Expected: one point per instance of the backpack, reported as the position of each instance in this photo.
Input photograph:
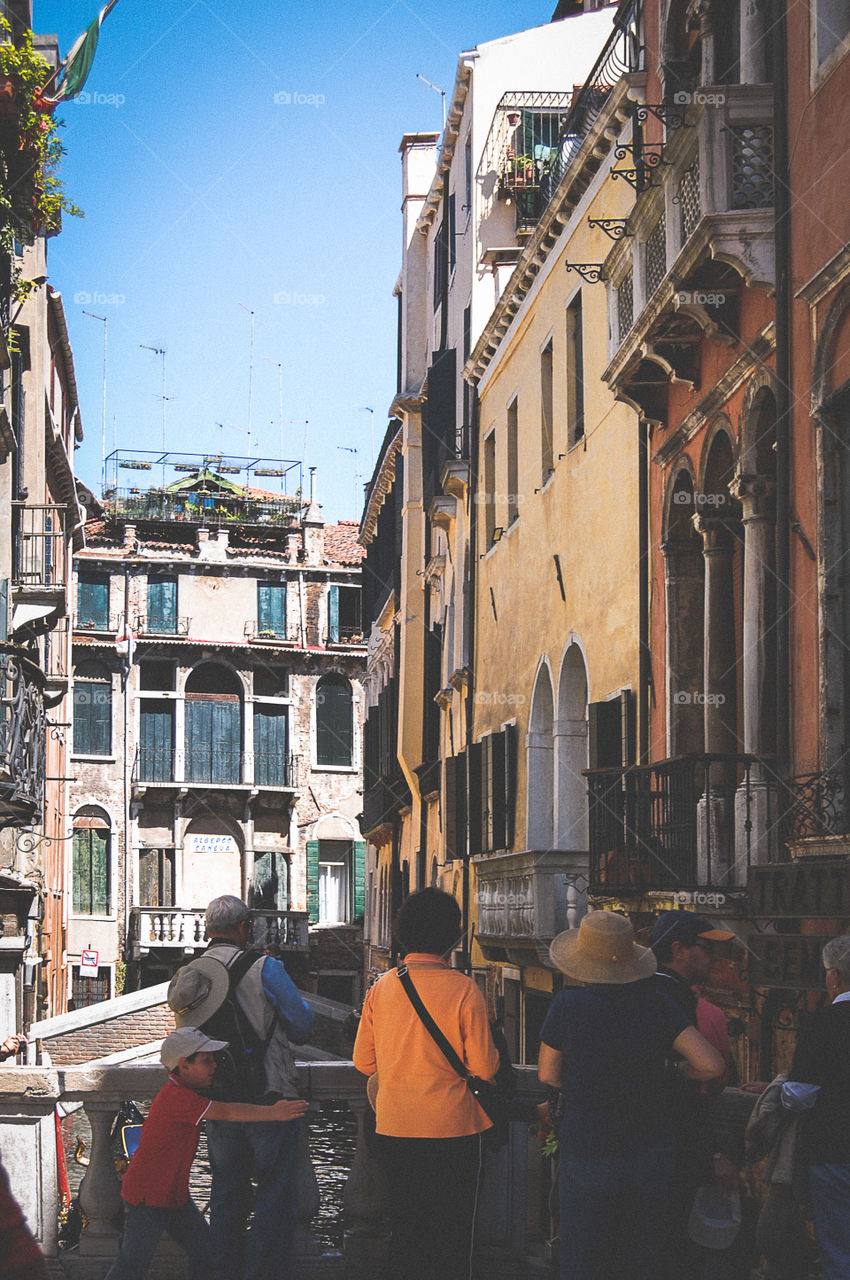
(241, 1072)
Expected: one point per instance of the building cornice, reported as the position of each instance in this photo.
(447, 149)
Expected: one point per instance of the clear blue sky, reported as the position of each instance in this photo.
(201, 192)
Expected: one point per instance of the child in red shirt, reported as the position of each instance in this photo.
(156, 1185)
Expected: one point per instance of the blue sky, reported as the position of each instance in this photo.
(204, 187)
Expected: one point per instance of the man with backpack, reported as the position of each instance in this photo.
(250, 1001)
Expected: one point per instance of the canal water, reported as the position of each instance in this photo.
(332, 1137)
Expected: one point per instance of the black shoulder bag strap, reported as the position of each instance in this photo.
(429, 1023)
(236, 971)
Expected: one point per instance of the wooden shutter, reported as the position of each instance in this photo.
(156, 734)
(454, 809)
(270, 746)
(198, 740)
(271, 607)
(333, 723)
(476, 798)
(497, 802)
(358, 880)
(226, 742)
(99, 872)
(263, 607)
(511, 755)
(81, 892)
(101, 719)
(333, 614)
(313, 880)
(91, 871)
(162, 605)
(604, 719)
(93, 601)
(82, 718)
(4, 610)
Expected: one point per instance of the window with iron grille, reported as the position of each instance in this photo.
(625, 306)
(87, 990)
(656, 256)
(752, 167)
(689, 202)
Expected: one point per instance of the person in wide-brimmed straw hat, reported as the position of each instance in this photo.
(605, 1046)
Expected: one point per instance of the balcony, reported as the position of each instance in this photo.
(525, 899)
(22, 744)
(522, 149)
(104, 624)
(39, 569)
(256, 634)
(146, 624)
(198, 507)
(679, 825)
(201, 766)
(182, 929)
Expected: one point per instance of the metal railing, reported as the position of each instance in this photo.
(208, 765)
(197, 507)
(22, 741)
(146, 624)
(676, 824)
(814, 806)
(106, 623)
(40, 554)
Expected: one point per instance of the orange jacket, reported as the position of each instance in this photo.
(419, 1094)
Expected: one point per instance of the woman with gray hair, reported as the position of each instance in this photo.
(819, 1083)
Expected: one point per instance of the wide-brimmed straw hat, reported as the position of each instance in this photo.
(602, 949)
(197, 990)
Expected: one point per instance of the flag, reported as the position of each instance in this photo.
(77, 65)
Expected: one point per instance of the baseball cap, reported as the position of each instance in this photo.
(715, 1217)
(185, 1041)
(683, 926)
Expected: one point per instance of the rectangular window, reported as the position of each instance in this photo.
(90, 892)
(547, 457)
(467, 175)
(575, 372)
(156, 877)
(334, 876)
(344, 614)
(271, 745)
(452, 234)
(513, 462)
(156, 741)
(92, 718)
(213, 739)
(271, 881)
(93, 602)
(162, 606)
(271, 609)
(88, 990)
(489, 489)
(439, 264)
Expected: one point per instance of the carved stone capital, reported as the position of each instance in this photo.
(755, 494)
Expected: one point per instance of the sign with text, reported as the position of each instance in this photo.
(88, 964)
(799, 889)
(786, 961)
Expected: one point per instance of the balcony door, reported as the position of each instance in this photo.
(213, 725)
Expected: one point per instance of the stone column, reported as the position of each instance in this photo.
(540, 826)
(100, 1192)
(363, 1203)
(754, 801)
(753, 56)
(684, 591)
(571, 788)
(719, 697)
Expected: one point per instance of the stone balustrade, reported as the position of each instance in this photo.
(514, 1224)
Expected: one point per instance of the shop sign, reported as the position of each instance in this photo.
(786, 960)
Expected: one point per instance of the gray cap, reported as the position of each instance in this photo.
(185, 1041)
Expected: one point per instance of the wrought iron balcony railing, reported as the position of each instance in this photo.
(106, 624)
(40, 552)
(211, 765)
(814, 806)
(21, 736)
(680, 824)
(148, 624)
(200, 508)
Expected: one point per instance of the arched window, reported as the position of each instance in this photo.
(92, 710)
(334, 733)
(213, 725)
(91, 889)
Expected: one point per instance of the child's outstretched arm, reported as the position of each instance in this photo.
(286, 1109)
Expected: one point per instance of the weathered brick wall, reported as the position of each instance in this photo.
(109, 1037)
(313, 592)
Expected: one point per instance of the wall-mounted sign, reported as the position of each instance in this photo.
(786, 961)
(799, 889)
(88, 964)
(197, 843)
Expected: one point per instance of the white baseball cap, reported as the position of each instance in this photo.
(185, 1041)
(715, 1217)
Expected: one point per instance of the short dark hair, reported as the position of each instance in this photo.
(428, 921)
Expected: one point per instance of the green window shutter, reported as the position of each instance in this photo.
(333, 723)
(81, 894)
(271, 748)
(333, 615)
(4, 610)
(226, 742)
(156, 735)
(198, 740)
(313, 880)
(263, 607)
(93, 601)
(271, 608)
(101, 719)
(99, 872)
(82, 719)
(162, 605)
(358, 904)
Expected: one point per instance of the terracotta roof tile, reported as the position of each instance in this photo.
(341, 545)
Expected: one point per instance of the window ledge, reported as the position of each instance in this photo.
(92, 759)
(334, 768)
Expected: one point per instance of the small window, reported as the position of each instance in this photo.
(575, 372)
(156, 877)
(513, 462)
(92, 710)
(489, 489)
(91, 862)
(92, 602)
(547, 456)
(344, 623)
(162, 606)
(334, 732)
(271, 609)
(86, 989)
(334, 875)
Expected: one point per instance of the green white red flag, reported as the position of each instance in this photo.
(75, 69)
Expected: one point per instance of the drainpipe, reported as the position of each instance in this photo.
(644, 668)
(469, 632)
(782, 227)
(127, 768)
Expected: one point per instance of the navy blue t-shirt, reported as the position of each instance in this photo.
(615, 1040)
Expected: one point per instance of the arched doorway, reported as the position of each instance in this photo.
(571, 744)
(540, 760)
